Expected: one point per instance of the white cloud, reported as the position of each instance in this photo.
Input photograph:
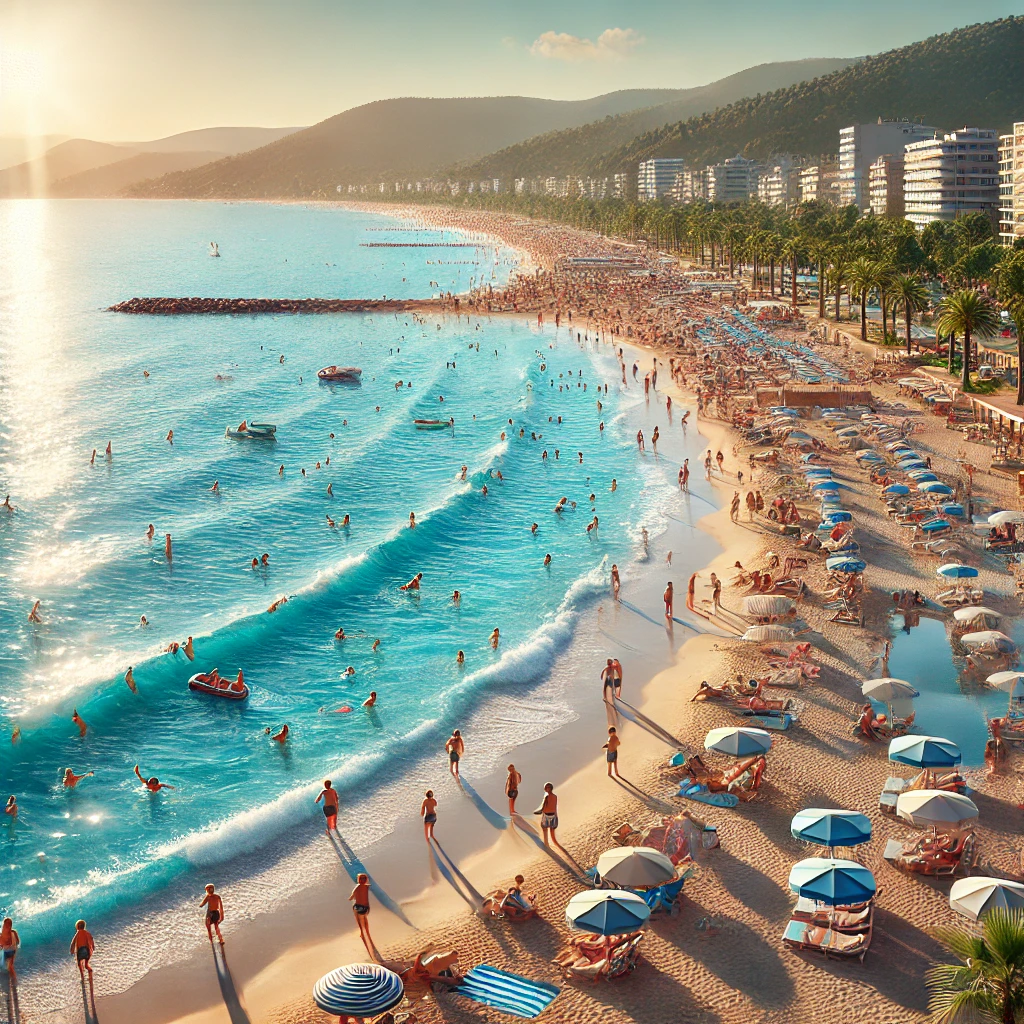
(612, 44)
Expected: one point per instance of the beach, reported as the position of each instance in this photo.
(720, 958)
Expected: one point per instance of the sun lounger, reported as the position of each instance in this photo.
(923, 858)
(624, 833)
(691, 790)
(511, 993)
(831, 942)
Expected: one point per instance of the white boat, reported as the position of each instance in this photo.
(214, 251)
(352, 374)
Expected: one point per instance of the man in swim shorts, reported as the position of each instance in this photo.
(329, 795)
(360, 899)
(214, 913)
(83, 946)
(456, 747)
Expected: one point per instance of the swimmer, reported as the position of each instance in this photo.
(150, 532)
(457, 598)
(376, 645)
(280, 471)
(340, 635)
(153, 784)
(460, 658)
(7, 504)
(34, 616)
(615, 484)
(371, 700)
(77, 719)
(495, 636)
(277, 604)
(592, 525)
(71, 779)
(129, 678)
(280, 736)
(330, 490)
(462, 476)
(168, 554)
(350, 671)
(170, 437)
(547, 562)
(143, 621)
(172, 648)
(109, 452)
(331, 523)
(412, 520)
(189, 650)
(347, 520)
(265, 560)
(533, 529)
(216, 487)
(255, 563)
(92, 461)
(483, 490)
(15, 734)
(11, 810)
(414, 583)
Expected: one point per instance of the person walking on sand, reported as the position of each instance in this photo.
(548, 812)
(690, 588)
(734, 507)
(612, 755)
(707, 465)
(214, 913)
(609, 681)
(640, 440)
(668, 597)
(329, 796)
(360, 900)
(456, 747)
(428, 812)
(82, 948)
(716, 594)
(9, 943)
(720, 459)
(751, 505)
(512, 782)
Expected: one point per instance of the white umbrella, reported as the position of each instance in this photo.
(635, 866)
(1002, 518)
(988, 637)
(764, 634)
(738, 741)
(888, 689)
(936, 808)
(763, 605)
(1005, 680)
(974, 897)
(977, 612)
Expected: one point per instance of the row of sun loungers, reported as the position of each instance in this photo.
(839, 932)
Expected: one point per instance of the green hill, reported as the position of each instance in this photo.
(579, 150)
(973, 76)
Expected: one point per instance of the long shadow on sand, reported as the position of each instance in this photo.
(455, 878)
(637, 717)
(236, 1013)
(354, 867)
(11, 999)
(490, 815)
(751, 887)
(653, 802)
(559, 854)
(89, 999)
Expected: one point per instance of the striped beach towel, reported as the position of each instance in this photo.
(512, 993)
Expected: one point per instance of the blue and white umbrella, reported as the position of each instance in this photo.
(935, 487)
(922, 476)
(843, 563)
(738, 741)
(956, 571)
(359, 990)
(924, 751)
(839, 515)
(825, 485)
(833, 882)
(868, 456)
(606, 912)
(831, 827)
(896, 489)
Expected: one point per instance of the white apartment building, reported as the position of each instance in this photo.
(951, 175)
(885, 185)
(1011, 185)
(656, 177)
(732, 181)
(818, 182)
(779, 183)
(861, 144)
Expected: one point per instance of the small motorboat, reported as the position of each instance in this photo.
(262, 429)
(433, 424)
(346, 374)
(217, 686)
(254, 431)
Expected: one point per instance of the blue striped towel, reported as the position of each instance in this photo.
(512, 993)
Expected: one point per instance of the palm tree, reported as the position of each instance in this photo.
(792, 250)
(839, 272)
(865, 275)
(988, 983)
(969, 313)
(820, 254)
(1010, 281)
(910, 293)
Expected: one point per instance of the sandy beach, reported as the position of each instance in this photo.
(721, 958)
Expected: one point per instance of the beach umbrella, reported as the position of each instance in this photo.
(896, 489)
(974, 897)
(838, 515)
(989, 637)
(935, 487)
(924, 751)
(935, 524)
(886, 689)
(898, 446)
(936, 808)
(844, 563)
(1005, 680)
(833, 882)
(763, 605)
(358, 990)
(975, 612)
(635, 866)
(920, 476)
(799, 435)
(831, 827)
(868, 456)
(766, 634)
(825, 485)
(1002, 518)
(957, 571)
(738, 741)
(606, 912)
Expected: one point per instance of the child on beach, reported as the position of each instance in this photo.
(82, 947)
(360, 899)
(214, 913)
(612, 755)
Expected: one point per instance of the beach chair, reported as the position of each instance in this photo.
(801, 935)
(927, 857)
(852, 920)
(665, 898)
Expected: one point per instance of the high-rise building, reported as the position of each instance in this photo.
(951, 175)
(818, 182)
(861, 144)
(1011, 185)
(885, 185)
(656, 177)
(779, 183)
(732, 181)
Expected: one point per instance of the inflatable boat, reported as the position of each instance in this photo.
(350, 374)
(432, 424)
(255, 431)
(217, 686)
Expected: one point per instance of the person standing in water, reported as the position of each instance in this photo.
(428, 812)
(616, 583)
(167, 546)
(71, 779)
(153, 784)
(455, 747)
(668, 598)
(214, 912)
(82, 948)
(329, 796)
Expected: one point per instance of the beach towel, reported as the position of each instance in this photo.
(690, 790)
(511, 993)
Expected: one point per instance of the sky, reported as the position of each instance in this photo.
(126, 70)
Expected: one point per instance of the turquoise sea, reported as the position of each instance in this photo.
(72, 378)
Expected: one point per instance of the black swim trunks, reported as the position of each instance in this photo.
(512, 794)
(360, 908)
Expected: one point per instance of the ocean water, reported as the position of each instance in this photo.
(72, 379)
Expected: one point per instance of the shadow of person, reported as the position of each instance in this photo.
(499, 821)
(89, 999)
(236, 1012)
(354, 867)
(653, 802)
(456, 879)
(637, 717)
(566, 862)
(11, 994)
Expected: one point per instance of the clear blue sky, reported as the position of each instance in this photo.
(135, 69)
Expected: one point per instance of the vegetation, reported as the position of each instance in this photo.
(988, 983)
(972, 76)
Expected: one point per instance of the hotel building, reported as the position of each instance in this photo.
(1011, 185)
(861, 144)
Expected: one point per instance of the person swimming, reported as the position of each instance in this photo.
(129, 678)
(280, 736)
(153, 784)
(71, 779)
(414, 583)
